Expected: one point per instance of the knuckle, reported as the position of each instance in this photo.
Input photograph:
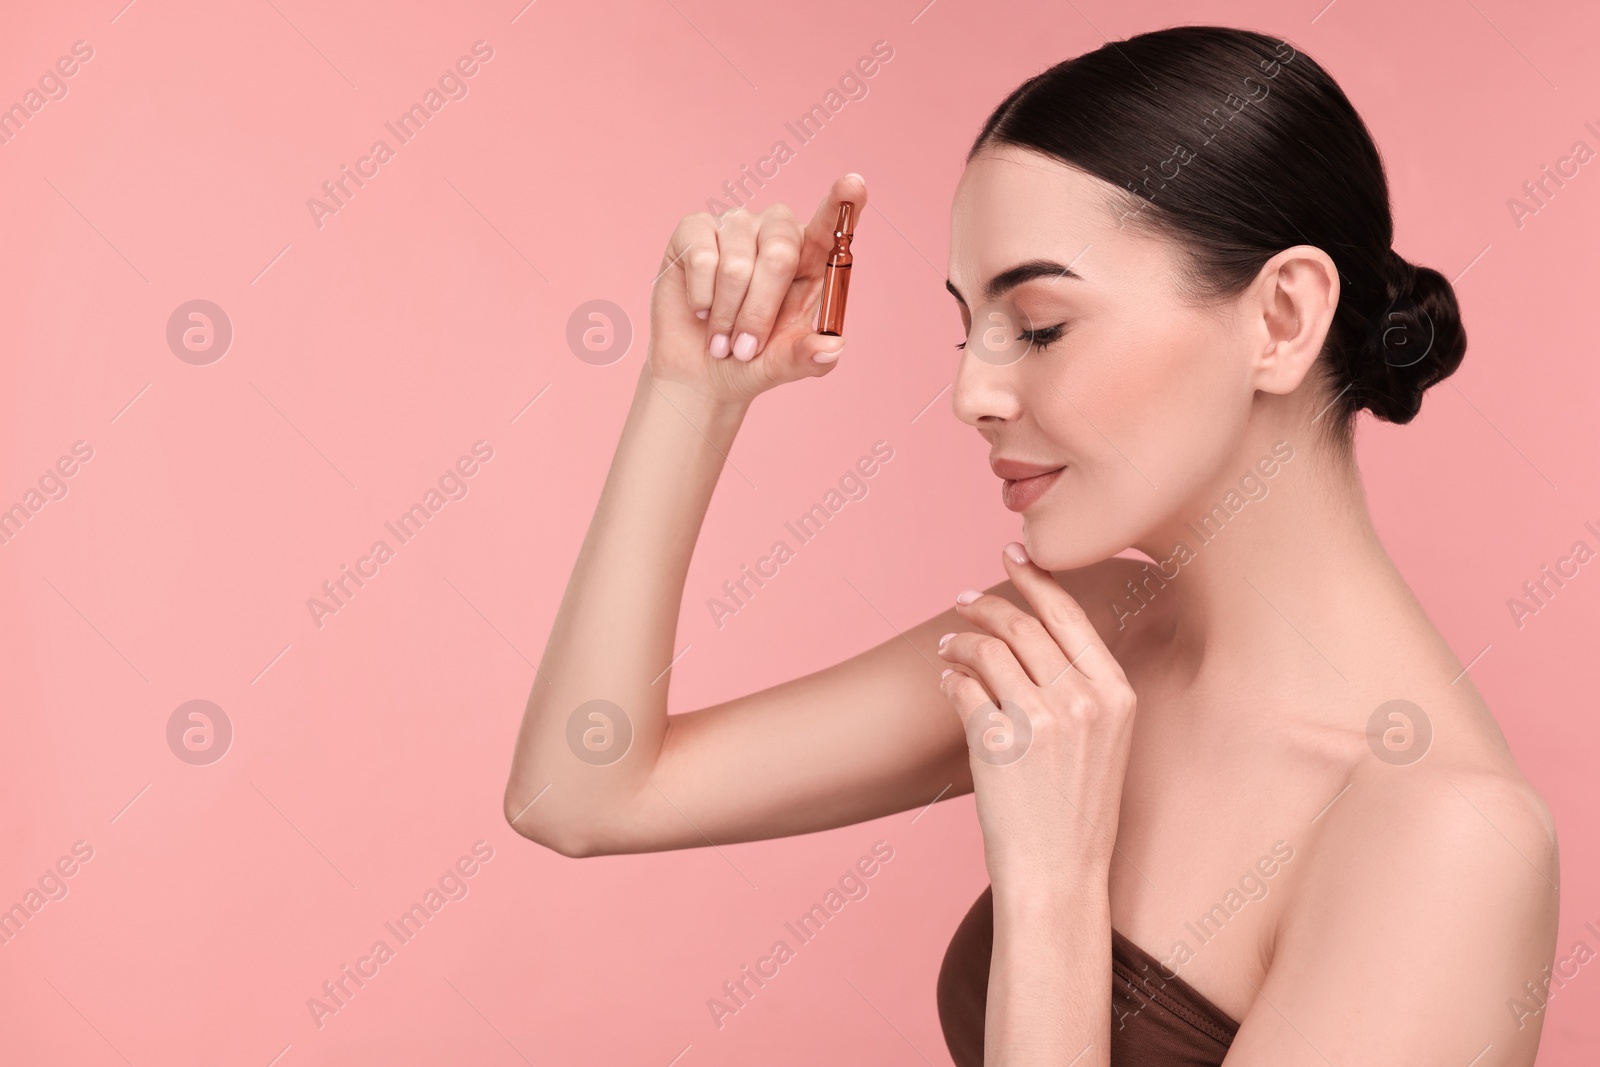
(989, 650)
(1067, 615)
(783, 251)
(701, 258)
(1020, 624)
(956, 686)
(737, 266)
(1074, 707)
(1043, 720)
(781, 263)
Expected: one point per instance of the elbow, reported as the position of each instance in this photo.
(565, 843)
(555, 834)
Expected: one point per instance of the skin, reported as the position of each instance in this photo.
(1171, 747)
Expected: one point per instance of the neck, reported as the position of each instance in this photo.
(1275, 562)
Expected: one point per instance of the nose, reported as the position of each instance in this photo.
(986, 393)
(988, 381)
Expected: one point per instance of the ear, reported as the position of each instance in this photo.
(1291, 303)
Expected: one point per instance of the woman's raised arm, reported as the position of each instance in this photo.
(599, 767)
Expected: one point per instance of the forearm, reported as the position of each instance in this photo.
(613, 633)
(1048, 775)
(1050, 978)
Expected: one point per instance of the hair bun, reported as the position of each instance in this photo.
(1417, 340)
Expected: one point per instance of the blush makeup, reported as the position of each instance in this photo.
(836, 276)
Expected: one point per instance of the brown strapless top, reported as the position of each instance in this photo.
(1156, 1021)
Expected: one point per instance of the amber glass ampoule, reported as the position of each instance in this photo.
(836, 276)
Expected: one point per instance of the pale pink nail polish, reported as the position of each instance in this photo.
(702, 313)
(719, 346)
(947, 672)
(827, 357)
(967, 596)
(945, 638)
(744, 346)
(1016, 553)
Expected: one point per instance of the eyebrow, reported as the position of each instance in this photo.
(1007, 280)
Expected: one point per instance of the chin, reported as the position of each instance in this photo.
(1057, 544)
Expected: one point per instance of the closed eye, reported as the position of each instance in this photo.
(1041, 338)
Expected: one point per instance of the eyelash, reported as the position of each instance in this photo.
(1042, 338)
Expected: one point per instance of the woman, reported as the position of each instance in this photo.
(1240, 803)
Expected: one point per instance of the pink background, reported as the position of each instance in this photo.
(368, 354)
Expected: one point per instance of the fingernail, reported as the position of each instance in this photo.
(945, 638)
(702, 313)
(827, 357)
(967, 596)
(744, 346)
(1016, 553)
(719, 346)
(947, 672)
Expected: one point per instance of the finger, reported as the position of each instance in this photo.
(988, 659)
(736, 261)
(998, 732)
(1026, 636)
(693, 249)
(777, 254)
(1062, 616)
(965, 693)
(813, 355)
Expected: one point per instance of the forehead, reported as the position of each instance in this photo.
(1013, 205)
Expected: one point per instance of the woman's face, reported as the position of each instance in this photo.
(1139, 398)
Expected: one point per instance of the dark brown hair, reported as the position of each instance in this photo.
(1239, 146)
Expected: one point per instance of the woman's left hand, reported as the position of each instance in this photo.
(1049, 717)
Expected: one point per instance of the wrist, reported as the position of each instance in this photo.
(1059, 916)
(699, 408)
(1041, 895)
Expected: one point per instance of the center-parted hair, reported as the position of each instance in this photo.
(1236, 145)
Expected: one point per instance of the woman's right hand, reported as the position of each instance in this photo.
(757, 274)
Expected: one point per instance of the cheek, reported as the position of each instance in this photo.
(1176, 394)
(1141, 392)
(1153, 412)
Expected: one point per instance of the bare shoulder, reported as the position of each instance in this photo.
(1458, 804)
(1433, 820)
(1433, 886)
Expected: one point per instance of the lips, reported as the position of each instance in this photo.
(1023, 482)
